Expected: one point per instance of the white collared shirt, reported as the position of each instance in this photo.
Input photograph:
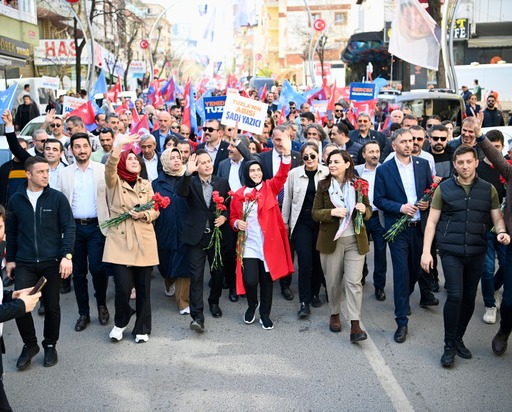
(369, 175)
(54, 174)
(407, 176)
(213, 152)
(84, 193)
(276, 161)
(151, 167)
(234, 177)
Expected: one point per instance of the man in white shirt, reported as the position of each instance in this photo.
(149, 156)
(83, 184)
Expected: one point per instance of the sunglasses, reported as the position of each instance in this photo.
(419, 139)
(307, 157)
(209, 129)
(429, 125)
(105, 130)
(338, 111)
(229, 129)
(436, 138)
(41, 140)
(56, 125)
(491, 101)
(175, 127)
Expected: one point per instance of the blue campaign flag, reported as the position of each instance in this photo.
(193, 105)
(6, 99)
(214, 107)
(200, 104)
(288, 94)
(100, 87)
(360, 92)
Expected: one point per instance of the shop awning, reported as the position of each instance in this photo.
(11, 61)
(366, 47)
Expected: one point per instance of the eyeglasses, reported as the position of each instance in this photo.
(209, 129)
(437, 138)
(307, 157)
(429, 125)
(105, 130)
(56, 125)
(418, 139)
(175, 127)
(41, 140)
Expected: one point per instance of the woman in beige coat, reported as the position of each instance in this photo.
(131, 247)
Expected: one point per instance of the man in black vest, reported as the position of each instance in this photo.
(462, 210)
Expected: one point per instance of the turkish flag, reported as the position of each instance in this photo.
(185, 118)
(123, 108)
(114, 91)
(85, 112)
(141, 127)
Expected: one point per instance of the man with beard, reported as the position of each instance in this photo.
(25, 113)
(441, 152)
(101, 121)
(106, 137)
(492, 116)
(371, 155)
(83, 184)
(213, 143)
(186, 150)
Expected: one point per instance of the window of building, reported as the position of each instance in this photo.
(340, 18)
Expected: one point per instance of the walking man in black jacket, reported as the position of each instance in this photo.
(40, 239)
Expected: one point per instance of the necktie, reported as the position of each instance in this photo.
(280, 195)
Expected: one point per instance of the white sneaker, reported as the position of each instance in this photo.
(490, 315)
(116, 333)
(141, 338)
(497, 299)
(185, 311)
(170, 292)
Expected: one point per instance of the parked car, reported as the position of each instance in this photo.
(32, 126)
(446, 104)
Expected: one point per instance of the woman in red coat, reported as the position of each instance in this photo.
(266, 253)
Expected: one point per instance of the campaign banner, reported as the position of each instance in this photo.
(360, 92)
(214, 107)
(72, 103)
(250, 114)
(50, 82)
(320, 106)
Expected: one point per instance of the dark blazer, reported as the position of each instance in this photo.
(225, 165)
(195, 223)
(389, 195)
(143, 171)
(266, 163)
(221, 154)
(156, 134)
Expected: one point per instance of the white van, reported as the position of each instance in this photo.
(39, 93)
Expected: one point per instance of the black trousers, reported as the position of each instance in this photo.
(198, 255)
(26, 275)
(254, 273)
(126, 278)
(462, 274)
(311, 276)
(229, 256)
(4, 402)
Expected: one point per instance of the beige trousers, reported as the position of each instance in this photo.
(182, 293)
(347, 261)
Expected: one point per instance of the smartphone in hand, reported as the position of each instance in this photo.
(39, 285)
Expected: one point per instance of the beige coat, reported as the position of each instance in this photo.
(295, 192)
(133, 242)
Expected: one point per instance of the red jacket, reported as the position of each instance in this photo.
(276, 247)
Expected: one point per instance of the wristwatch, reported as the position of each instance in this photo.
(69, 256)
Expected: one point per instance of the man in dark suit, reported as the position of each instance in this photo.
(231, 169)
(270, 162)
(198, 231)
(164, 121)
(399, 186)
(364, 134)
(213, 143)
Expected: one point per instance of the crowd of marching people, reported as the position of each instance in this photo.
(119, 201)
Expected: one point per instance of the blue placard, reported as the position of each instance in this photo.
(214, 107)
(359, 92)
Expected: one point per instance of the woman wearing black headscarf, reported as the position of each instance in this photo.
(266, 252)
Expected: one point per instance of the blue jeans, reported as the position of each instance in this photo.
(493, 248)
(375, 229)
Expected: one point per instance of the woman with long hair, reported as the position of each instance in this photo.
(472, 108)
(342, 251)
(172, 253)
(130, 246)
(298, 201)
(265, 255)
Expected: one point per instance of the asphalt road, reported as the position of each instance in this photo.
(298, 366)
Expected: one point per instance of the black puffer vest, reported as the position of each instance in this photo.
(465, 219)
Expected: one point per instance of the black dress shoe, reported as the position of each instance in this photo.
(380, 295)
(197, 325)
(233, 297)
(358, 337)
(500, 342)
(287, 293)
(27, 353)
(103, 315)
(82, 323)
(461, 350)
(448, 356)
(429, 301)
(435, 285)
(316, 302)
(215, 310)
(400, 334)
(40, 311)
(50, 356)
(7, 281)
(65, 286)
(304, 311)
